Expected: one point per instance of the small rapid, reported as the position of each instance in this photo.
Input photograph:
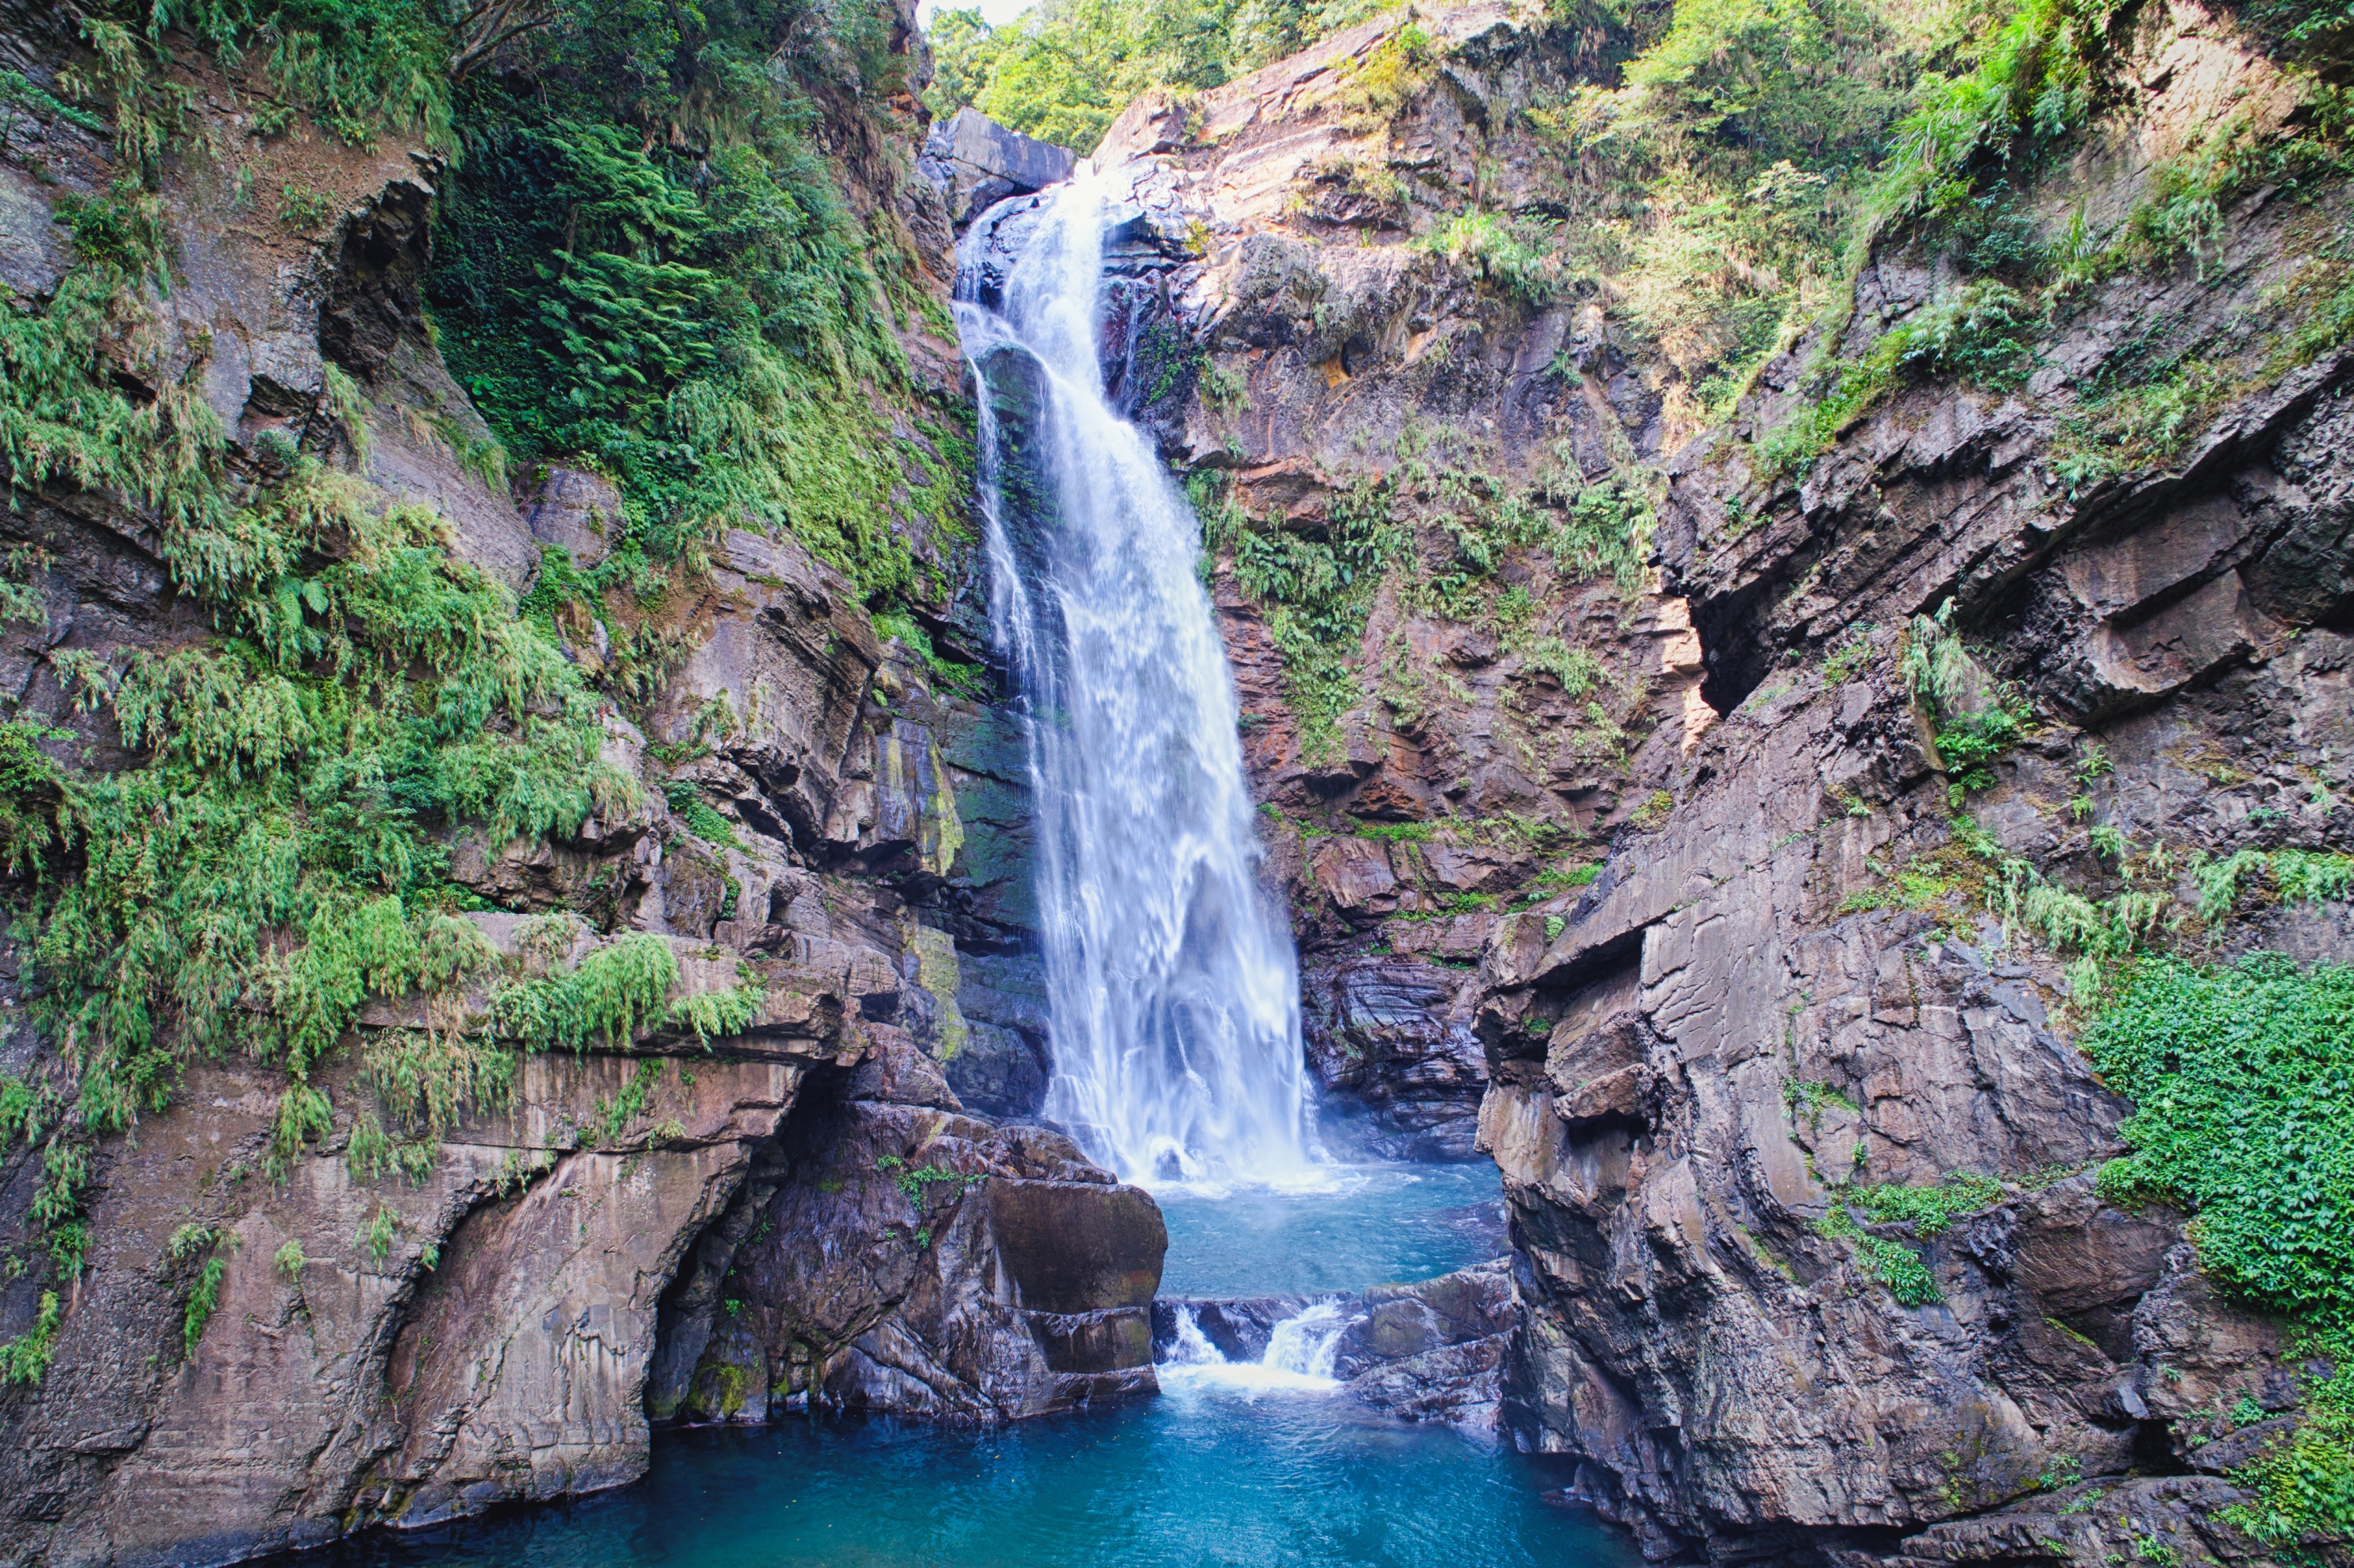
(1173, 995)
(1297, 1359)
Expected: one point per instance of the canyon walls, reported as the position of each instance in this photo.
(512, 953)
(655, 879)
(1757, 892)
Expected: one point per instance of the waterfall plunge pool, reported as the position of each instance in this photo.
(1174, 991)
(1229, 1466)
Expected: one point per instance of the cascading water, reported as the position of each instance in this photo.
(1173, 994)
(1300, 1356)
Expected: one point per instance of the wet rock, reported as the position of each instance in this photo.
(1431, 1351)
(576, 511)
(1378, 1032)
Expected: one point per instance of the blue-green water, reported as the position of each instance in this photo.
(1211, 1473)
(1374, 1225)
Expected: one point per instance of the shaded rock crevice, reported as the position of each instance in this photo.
(890, 1253)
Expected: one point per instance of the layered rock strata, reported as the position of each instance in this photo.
(408, 1308)
(1781, 975)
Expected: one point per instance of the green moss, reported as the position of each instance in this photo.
(1394, 833)
(967, 681)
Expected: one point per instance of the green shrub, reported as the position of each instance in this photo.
(2045, 75)
(2242, 1082)
(1498, 250)
(1928, 1209)
(706, 325)
(1893, 1264)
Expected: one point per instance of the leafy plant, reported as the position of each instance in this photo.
(191, 1241)
(302, 207)
(698, 313)
(1978, 332)
(1928, 1209)
(24, 1359)
(1893, 1264)
(2242, 1082)
(1973, 728)
(686, 802)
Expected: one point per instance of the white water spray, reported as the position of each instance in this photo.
(1173, 994)
(1299, 1359)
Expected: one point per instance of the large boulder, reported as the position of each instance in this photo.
(998, 1275)
(975, 163)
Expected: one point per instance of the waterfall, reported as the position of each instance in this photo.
(1172, 990)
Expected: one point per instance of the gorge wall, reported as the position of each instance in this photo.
(1746, 903)
(1721, 800)
(682, 910)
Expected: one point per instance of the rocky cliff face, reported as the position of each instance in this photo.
(1749, 938)
(1456, 723)
(695, 1051)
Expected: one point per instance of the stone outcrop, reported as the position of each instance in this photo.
(974, 163)
(1735, 956)
(891, 1254)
